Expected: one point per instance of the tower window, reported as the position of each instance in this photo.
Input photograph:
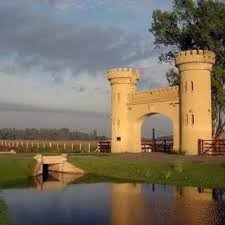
(186, 86)
(118, 97)
(192, 86)
(186, 120)
(118, 138)
(193, 119)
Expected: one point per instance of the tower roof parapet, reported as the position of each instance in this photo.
(117, 73)
(195, 56)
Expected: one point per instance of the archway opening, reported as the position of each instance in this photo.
(45, 172)
(158, 130)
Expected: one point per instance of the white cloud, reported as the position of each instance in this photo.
(60, 4)
(56, 68)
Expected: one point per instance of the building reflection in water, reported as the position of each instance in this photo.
(145, 205)
(55, 180)
(126, 204)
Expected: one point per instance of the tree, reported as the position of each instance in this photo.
(189, 25)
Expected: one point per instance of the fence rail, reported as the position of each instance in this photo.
(146, 146)
(104, 146)
(211, 147)
(32, 145)
(157, 146)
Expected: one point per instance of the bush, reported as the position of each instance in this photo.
(178, 166)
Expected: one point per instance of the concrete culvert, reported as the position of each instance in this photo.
(58, 163)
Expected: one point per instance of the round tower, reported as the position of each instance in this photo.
(123, 82)
(195, 96)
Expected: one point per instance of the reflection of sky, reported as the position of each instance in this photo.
(78, 204)
(88, 204)
(54, 54)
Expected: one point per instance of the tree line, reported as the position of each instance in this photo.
(47, 134)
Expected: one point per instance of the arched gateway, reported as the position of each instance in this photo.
(188, 105)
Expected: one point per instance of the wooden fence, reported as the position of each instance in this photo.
(146, 146)
(157, 146)
(211, 147)
(32, 145)
(104, 146)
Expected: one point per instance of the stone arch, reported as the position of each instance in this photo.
(151, 120)
(194, 66)
(140, 112)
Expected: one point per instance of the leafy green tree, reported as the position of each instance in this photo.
(195, 24)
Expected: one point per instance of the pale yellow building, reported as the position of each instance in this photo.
(187, 106)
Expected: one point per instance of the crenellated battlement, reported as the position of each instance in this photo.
(195, 56)
(160, 94)
(123, 73)
(123, 69)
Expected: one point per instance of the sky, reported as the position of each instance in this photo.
(54, 55)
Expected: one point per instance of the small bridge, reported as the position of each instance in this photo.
(58, 163)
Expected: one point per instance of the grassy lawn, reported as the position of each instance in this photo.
(4, 220)
(178, 172)
(15, 170)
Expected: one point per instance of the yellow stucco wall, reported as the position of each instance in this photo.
(195, 95)
(187, 106)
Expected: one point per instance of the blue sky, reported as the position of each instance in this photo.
(54, 54)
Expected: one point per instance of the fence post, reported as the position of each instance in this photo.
(50, 145)
(109, 147)
(165, 146)
(219, 146)
(154, 145)
(99, 147)
(57, 145)
(80, 147)
(89, 147)
(199, 146)
(17, 144)
(72, 146)
(64, 146)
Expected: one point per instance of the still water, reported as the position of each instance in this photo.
(55, 201)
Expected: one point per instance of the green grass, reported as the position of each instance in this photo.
(178, 173)
(4, 219)
(15, 170)
(51, 150)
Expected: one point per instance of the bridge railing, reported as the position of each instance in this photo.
(211, 147)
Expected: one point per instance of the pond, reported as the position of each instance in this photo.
(55, 200)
